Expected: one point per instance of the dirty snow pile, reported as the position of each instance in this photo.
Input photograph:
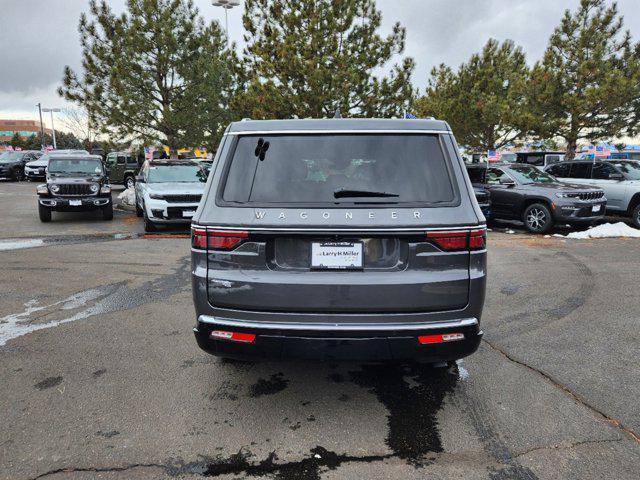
(606, 230)
(128, 197)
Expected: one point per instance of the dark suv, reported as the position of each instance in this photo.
(527, 194)
(123, 168)
(12, 163)
(339, 239)
(75, 183)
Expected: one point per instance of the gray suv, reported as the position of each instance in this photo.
(339, 239)
(620, 180)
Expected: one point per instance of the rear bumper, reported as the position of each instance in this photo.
(375, 342)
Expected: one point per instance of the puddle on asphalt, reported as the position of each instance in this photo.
(95, 301)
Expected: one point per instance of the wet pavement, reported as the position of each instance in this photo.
(101, 376)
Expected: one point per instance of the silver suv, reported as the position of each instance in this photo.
(620, 180)
(339, 239)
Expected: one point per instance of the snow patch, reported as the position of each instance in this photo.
(19, 244)
(606, 230)
(463, 374)
(128, 197)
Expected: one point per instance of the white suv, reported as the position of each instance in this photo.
(620, 180)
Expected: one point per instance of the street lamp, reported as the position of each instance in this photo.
(227, 5)
(53, 128)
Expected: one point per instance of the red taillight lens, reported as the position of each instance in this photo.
(478, 239)
(457, 240)
(233, 336)
(440, 338)
(216, 239)
(453, 240)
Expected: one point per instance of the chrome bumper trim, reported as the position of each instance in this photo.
(342, 327)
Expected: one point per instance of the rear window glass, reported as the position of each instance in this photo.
(337, 169)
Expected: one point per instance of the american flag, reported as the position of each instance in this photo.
(493, 156)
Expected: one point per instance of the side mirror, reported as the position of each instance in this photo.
(139, 179)
(507, 182)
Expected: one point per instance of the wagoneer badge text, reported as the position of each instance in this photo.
(261, 214)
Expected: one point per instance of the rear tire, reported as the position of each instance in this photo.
(44, 213)
(107, 212)
(635, 216)
(129, 182)
(537, 218)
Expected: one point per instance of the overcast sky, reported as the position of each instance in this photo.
(39, 37)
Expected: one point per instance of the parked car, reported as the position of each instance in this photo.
(168, 192)
(524, 193)
(335, 239)
(12, 163)
(36, 169)
(483, 198)
(540, 159)
(75, 183)
(620, 180)
(630, 155)
(123, 168)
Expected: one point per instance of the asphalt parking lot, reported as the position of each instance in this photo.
(101, 376)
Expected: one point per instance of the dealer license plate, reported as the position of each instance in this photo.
(336, 255)
(75, 203)
(188, 213)
(596, 208)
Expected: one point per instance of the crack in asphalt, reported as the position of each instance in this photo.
(576, 397)
(565, 447)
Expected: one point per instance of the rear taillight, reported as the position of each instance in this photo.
(459, 240)
(205, 238)
(440, 338)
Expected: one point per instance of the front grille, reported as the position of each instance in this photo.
(73, 189)
(182, 198)
(590, 195)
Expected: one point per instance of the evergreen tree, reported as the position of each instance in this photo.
(483, 101)
(156, 73)
(588, 82)
(310, 59)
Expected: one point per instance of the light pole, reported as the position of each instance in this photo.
(41, 127)
(53, 128)
(227, 5)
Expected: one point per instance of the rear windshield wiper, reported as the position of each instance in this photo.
(345, 193)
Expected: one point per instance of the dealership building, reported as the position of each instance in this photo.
(25, 128)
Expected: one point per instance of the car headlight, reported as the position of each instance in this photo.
(42, 189)
(105, 189)
(54, 188)
(94, 188)
(156, 196)
(565, 195)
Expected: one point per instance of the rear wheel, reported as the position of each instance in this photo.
(44, 213)
(635, 216)
(129, 181)
(107, 212)
(537, 218)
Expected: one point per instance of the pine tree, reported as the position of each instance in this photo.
(311, 59)
(156, 73)
(588, 82)
(483, 101)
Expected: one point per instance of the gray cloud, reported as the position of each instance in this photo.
(38, 38)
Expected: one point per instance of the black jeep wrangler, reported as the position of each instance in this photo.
(75, 183)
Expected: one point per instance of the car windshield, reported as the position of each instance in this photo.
(75, 165)
(631, 170)
(7, 157)
(176, 173)
(336, 169)
(526, 175)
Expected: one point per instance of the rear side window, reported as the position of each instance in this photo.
(580, 170)
(337, 169)
(602, 171)
(560, 170)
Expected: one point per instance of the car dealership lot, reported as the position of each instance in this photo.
(101, 376)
